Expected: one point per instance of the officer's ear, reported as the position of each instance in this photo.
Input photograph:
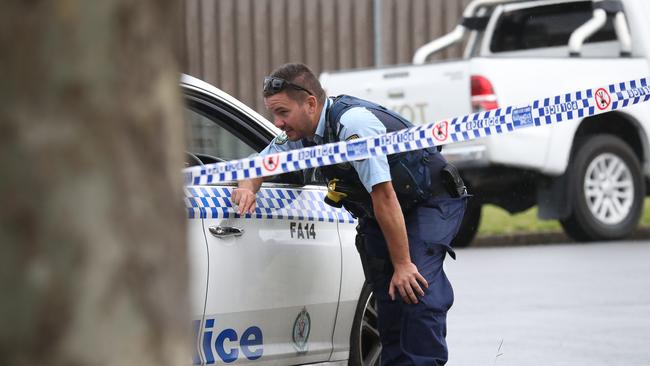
(312, 104)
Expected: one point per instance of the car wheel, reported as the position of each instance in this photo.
(606, 190)
(365, 346)
(469, 225)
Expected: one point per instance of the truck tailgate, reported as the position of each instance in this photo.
(422, 94)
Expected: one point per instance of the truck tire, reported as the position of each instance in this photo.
(606, 190)
(365, 346)
(469, 225)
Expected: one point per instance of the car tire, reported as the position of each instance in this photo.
(469, 225)
(606, 189)
(365, 346)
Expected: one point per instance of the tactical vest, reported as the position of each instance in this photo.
(415, 174)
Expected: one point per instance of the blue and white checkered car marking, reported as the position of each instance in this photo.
(272, 203)
(545, 111)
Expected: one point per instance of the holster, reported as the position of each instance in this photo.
(452, 181)
(371, 265)
(360, 243)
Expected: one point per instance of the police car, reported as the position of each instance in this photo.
(284, 286)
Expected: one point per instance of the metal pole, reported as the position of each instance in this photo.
(378, 30)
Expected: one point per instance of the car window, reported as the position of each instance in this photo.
(215, 134)
(545, 26)
(209, 137)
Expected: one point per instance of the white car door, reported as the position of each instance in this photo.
(273, 277)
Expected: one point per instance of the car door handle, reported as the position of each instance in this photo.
(398, 74)
(225, 231)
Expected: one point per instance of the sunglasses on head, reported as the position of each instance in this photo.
(273, 85)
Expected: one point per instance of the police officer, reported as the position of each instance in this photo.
(409, 207)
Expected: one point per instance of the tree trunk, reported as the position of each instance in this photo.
(93, 267)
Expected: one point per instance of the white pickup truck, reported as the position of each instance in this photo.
(589, 174)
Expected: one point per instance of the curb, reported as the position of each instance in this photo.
(541, 238)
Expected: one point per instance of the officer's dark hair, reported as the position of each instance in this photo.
(302, 76)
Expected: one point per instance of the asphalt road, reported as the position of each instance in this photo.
(566, 304)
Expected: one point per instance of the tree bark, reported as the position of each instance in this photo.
(93, 267)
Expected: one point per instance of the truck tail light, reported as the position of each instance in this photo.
(483, 97)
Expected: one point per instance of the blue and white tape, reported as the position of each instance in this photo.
(541, 112)
(210, 202)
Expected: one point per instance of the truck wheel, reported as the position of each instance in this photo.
(469, 225)
(365, 346)
(606, 189)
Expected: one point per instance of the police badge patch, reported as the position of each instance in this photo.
(281, 138)
(301, 328)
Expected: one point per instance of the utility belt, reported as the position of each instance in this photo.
(412, 186)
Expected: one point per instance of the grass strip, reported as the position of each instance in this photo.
(497, 221)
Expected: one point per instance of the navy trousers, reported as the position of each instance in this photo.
(414, 334)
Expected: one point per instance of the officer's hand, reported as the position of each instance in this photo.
(244, 198)
(405, 281)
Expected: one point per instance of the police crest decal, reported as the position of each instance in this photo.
(301, 328)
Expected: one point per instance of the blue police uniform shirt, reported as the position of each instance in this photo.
(356, 122)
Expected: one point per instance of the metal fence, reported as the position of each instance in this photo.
(233, 44)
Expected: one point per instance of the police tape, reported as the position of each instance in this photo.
(542, 112)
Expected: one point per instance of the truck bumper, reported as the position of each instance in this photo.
(466, 155)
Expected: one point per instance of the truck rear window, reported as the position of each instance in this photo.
(545, 26)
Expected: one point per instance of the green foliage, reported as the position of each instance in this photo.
(645, 217)
(496, 221)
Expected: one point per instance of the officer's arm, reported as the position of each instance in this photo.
(389, 216)
(244, 195)
(391, 221)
